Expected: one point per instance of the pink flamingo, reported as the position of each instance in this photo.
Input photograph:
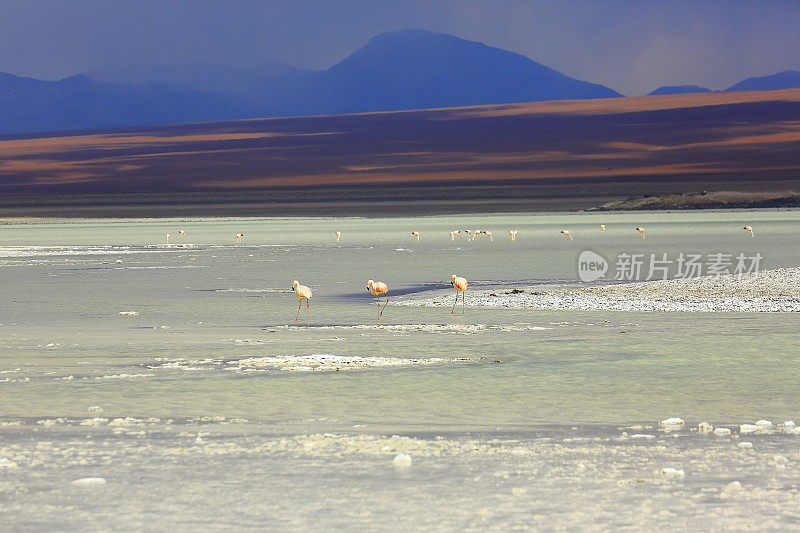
(378, 289)
(303, 293)
(460, 285)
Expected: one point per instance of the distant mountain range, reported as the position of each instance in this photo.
(789, 79)
(679, 89)
(410, 69)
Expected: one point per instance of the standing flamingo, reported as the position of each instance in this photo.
(338, 236)
(567, 235)
(479, 232)
(239, 237)
(641, 232)
(167, 236)
(182, 233)
(415, 234)
(455, 234)
(512, 235)
(460, 285)
(749, 230)
(303, 293)
(602, 227)
(378, 289)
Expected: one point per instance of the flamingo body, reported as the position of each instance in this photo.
(460, 285)
(378, 289)
(302, 293)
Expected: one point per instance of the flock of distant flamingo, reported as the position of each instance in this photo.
(460, 284)
(470, 234)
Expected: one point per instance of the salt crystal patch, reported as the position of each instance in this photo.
(128, 313)
(670, 472)
(705, 427)
(672, 423)
(730, 489)
(789, 424)
(747, 429)
(745, 445)
(402, 460)
(722, 432)
(764, 423)
(7, 463)
(89, 482)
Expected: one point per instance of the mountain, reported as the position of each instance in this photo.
(273, 87)
(80, 103)
(414, 69)
(679, 89)
(788, 79)
(409, 69)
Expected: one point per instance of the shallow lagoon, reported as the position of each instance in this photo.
(213, 329)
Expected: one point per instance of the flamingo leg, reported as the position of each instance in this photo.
(308, 308)
(299, 305)
(384, 307)
(463, 303)
(453, 310)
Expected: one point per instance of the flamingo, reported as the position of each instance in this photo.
(338, 236)
(469, 234)
(748, 230)
(378, 289)
(641, 232)
(182, 233)
(483, 232)
(239, 237)
(415, 234)
(602, 227)
(303, 293)
(460, 285)
(455, 234)
(512, 235)
(167, 236)
(567, 235)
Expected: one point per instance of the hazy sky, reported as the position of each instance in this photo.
(632, 46)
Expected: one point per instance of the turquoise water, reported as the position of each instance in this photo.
(204, 304)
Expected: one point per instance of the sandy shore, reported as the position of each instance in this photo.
(767, 291)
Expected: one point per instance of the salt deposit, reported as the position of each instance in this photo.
(308, 363)
(672, 423)
(670, 472)
(775, 290)
(705, 427)
(402, 460)
(89, 482)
